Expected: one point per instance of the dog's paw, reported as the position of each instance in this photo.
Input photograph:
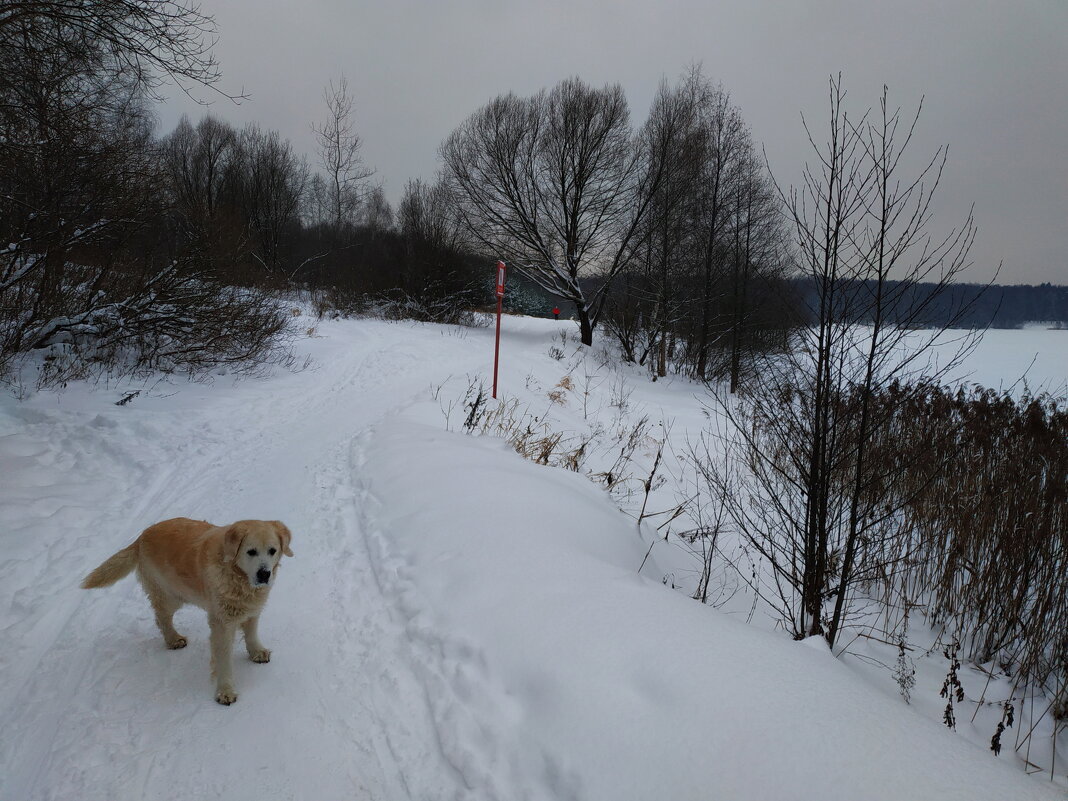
(176, 643)
(262, 655)
(226, 696)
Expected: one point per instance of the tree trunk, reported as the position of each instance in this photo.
(736, 313)
(585, 324)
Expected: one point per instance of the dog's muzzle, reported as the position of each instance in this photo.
(263, 576)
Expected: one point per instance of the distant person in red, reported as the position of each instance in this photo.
(556, 312)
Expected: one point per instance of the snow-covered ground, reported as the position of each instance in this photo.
(457, 623)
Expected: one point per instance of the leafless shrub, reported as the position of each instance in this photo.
(475, 403)
(621, 393)
(169, 321)
(427, 308)
(629, 440)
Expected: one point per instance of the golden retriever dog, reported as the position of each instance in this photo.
(225, 570)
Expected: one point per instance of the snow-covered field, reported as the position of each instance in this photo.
(457, 623)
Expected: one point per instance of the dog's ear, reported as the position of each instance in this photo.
(284, 535)
(232, 542)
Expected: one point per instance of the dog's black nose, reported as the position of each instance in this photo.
(263, 576)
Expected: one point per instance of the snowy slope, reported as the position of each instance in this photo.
(457, 622)
(624, 689)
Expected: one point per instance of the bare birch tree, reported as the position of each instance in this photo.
(696, 291)
(339, 148)
(725, 141)
(672, 140)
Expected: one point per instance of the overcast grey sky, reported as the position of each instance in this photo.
(995, 77)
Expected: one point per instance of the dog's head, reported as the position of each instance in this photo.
(255, 547)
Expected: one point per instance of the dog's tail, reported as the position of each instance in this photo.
(116, 567)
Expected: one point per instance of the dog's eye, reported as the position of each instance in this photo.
(271, 552)
(251, 551)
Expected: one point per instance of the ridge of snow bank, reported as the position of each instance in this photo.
(521, 584)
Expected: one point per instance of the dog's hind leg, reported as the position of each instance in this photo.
(164, 605)
(256, 651)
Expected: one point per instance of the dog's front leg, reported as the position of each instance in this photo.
(256, 651)
(222, 644)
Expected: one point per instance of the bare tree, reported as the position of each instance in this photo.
(143, 40)
(427, 214)
(200, 165)
(76, 174)
(556, 186)
(726, 140)
(92, 277)
(439, 281)
(758, 253)
(801, 484)
(339, 153)
(698, 283)
(377, 212)
(273, 184)
(672, 140)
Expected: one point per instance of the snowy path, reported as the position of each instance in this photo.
(98, 703)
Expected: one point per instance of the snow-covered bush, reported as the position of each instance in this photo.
(168, 320)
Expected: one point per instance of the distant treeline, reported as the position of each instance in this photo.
(964, 305)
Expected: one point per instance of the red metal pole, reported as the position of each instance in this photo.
(497, 343)
(497, 347)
